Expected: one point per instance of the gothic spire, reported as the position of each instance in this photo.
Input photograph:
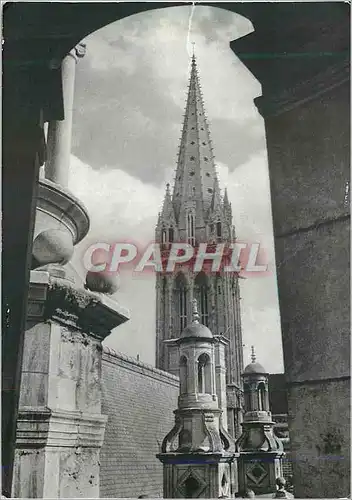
(216, 197)
(226, 198)
(167, 212)
(227, 207)
(195, 172)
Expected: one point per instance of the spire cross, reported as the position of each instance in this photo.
(195, 311)
(253, 354)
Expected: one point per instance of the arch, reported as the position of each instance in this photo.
(181, 299)
(183, 374)
(247, 397)
(201, 291)
(218, 229)
(171, 234)
(163, 235)
(261, 397)
(204, 374)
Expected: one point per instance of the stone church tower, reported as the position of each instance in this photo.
(195, 212)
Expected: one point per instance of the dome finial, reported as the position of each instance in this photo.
(253, 354)
(195, 311)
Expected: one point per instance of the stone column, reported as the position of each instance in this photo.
(60, 131)
(60, 425)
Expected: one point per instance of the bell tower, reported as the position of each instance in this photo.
(194, 211)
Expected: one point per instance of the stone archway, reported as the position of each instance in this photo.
(300, 55)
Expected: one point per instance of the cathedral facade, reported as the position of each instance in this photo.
(195, 212)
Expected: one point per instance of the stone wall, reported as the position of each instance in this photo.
(139, 401)
(309, 157)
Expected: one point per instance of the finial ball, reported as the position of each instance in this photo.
(102, 282)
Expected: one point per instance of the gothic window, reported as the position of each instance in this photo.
(210, 190)
(183, 308)
(171, 234)
(181, 301)
(201, 293)
(261, 397)
(163, 236)
(218, 229)
(191, 229)
(183, 375)
(204, 374)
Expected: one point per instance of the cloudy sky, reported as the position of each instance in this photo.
(129, 100)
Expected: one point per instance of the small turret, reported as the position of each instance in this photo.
(166, 226)
(261, 451)
(198, 437)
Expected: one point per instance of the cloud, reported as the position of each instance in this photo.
(131, 89)
(117, 202)
(129, 100)
(249, 193)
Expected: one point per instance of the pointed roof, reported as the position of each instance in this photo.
(226, 198)
(215, 204)
(167, 212)
(195, 172)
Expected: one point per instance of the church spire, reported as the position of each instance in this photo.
(195, 172)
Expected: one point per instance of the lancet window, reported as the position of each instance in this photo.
(181, 296)
(183, 375)
(261, 397)
(204, 374)
(191, 239)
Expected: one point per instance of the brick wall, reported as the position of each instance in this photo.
(139, 401)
